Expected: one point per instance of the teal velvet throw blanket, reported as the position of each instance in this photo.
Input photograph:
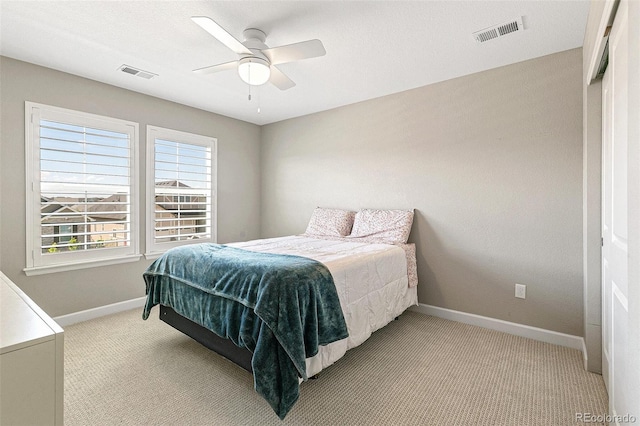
(280, 307)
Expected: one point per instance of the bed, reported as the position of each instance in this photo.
(343, 281)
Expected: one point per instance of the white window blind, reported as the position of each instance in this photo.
(83, 175)
(181, 183)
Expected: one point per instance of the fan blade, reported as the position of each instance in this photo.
(280, 80)
(295, 52)
(210, 26)
(215, 68)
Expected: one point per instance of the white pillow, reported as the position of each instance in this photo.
(330, 222)
(389, 226)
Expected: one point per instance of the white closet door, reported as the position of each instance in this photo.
(606, 227)
(615, 310)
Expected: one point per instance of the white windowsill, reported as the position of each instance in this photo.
(153, 255)
(50, 269)
(159, 251)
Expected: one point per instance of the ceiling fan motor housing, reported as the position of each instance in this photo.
(254, 39)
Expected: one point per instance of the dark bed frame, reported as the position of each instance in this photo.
(224, 347)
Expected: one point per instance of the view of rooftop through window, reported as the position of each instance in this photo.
(84, 188)
(182, 191)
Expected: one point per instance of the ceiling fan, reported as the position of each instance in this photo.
(257, 62)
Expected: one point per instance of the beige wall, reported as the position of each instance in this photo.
(63, 293)
(492, 163)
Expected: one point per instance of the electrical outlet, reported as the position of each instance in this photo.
(521, 291)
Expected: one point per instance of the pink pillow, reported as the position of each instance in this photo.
(330, 222)
(389, 226)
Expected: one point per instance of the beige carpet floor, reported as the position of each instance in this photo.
(418, 370)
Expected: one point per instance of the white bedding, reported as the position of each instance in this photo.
(371, 280)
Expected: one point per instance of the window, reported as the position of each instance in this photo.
(181, 188)
(81, 189)
(65, 233)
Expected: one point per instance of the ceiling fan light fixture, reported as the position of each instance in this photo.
(254, 71)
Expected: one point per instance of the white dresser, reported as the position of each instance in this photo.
(31, 361)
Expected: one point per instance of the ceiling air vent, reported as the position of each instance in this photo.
(138, 73)
(499, 30)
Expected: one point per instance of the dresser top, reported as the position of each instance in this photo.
(22, 322)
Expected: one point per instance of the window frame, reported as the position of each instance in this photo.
(38, 263)
(154, 249)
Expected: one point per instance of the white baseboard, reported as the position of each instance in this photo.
(548, 336)
(65, 320)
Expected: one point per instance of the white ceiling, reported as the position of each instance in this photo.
(374, 48)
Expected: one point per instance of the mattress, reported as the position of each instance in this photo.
(371, 280)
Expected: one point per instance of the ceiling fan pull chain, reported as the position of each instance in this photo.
(258, 100)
